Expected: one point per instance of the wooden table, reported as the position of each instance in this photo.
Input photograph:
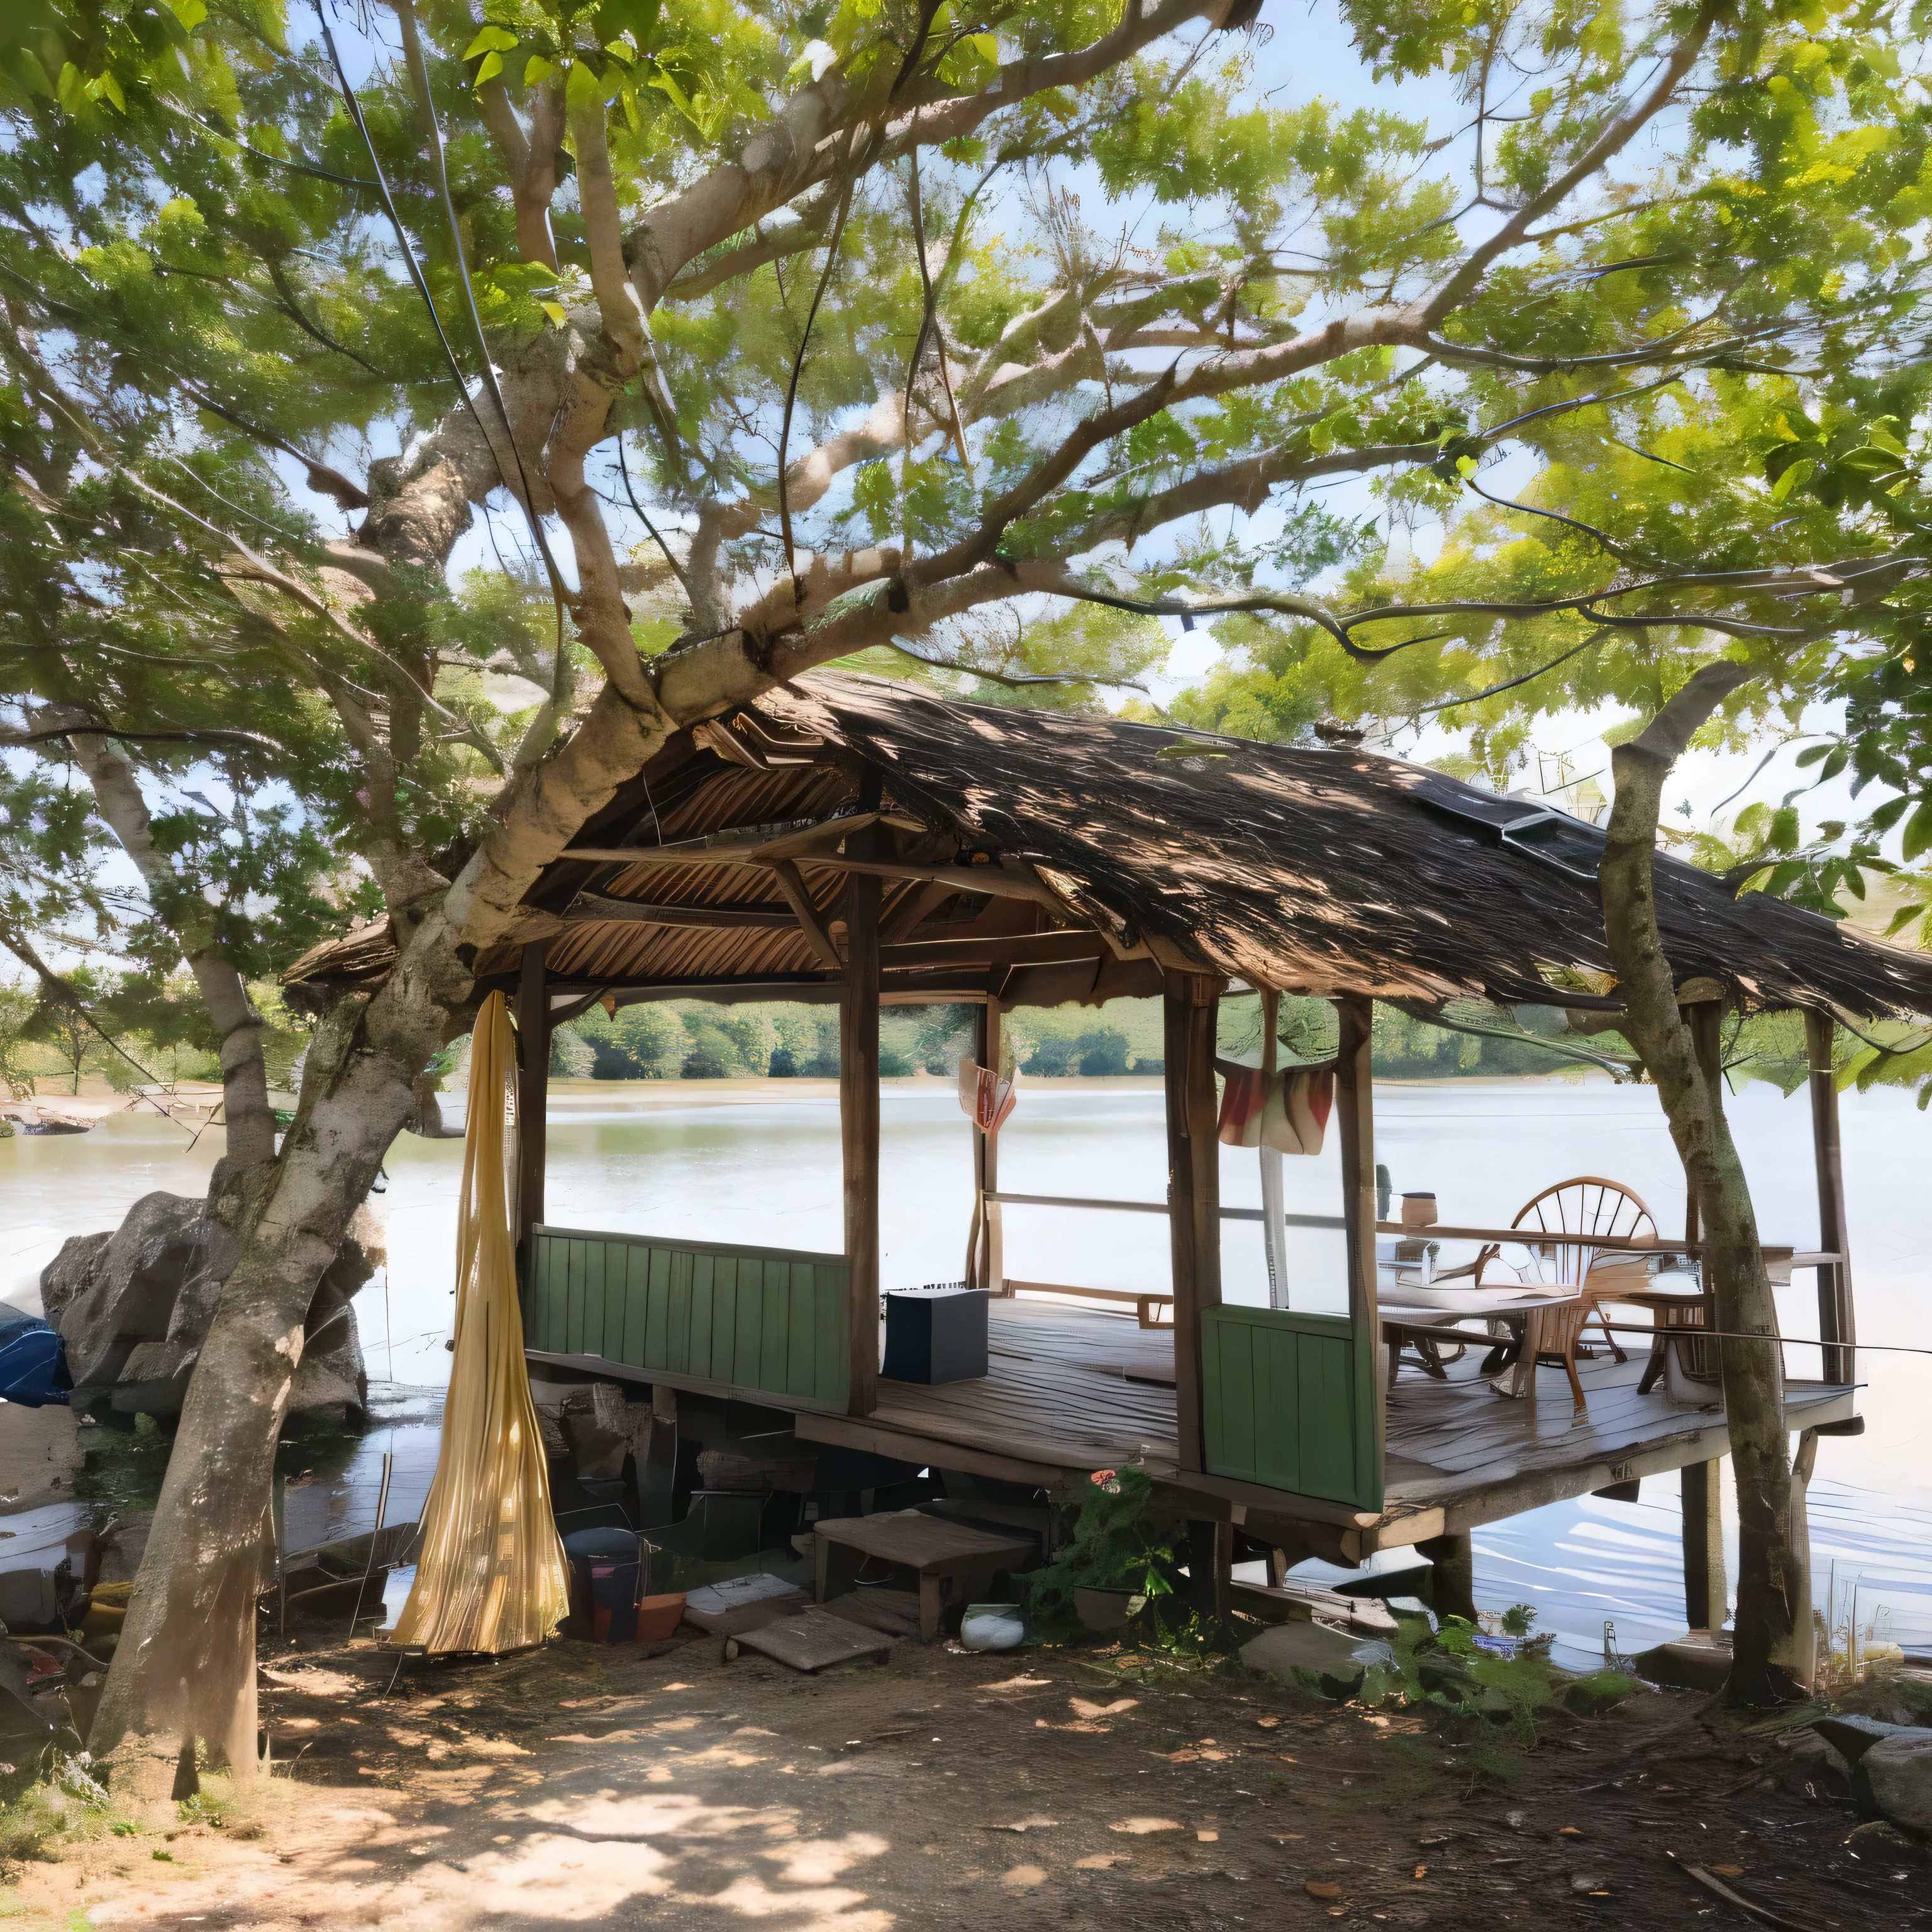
(937, 1551)
(1402, 1311)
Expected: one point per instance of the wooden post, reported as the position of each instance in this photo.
(858, 1121)
(1452, 1582)
(1838, 1327)
(1190, 1004)
(988, 1259)
(1355, 1118)
(1706, 1591)
(532, 1086)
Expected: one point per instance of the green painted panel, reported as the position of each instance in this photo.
(748, 1318)
(573, 1320)
(831, 1291)
(795, 1282)
(594, 1323)
(657, 1311)
(1284, 1404)
(677, 1329)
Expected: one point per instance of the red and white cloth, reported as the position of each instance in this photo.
(1288, 1112)
(984, 1098)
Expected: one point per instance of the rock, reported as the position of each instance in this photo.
(1876, 1839)
(1698, 1661)
(133, 1307)
(1893, 1781)
(1899, 1693)
(597, 1430)
(1808, 1762)
(1284, 1648)
(1854, 1735)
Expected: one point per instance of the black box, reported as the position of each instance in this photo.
(935, 1334)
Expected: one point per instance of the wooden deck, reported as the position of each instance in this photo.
(1072, 1388)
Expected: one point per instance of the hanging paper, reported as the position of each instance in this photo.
(984, 1098)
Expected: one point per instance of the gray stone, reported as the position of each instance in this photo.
(1894, 1780)
(1311, 1646)
(1806, 1762)
(1854, 1735)
(133, 1308)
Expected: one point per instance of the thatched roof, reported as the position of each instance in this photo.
(1039, 857)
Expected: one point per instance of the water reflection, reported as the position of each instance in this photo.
(767, 1172)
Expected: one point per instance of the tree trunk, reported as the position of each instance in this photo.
(185, 1665)
(1771, 1582)
(249, 1120)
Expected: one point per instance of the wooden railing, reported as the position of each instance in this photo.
(1289, 1401)
(754, 1318)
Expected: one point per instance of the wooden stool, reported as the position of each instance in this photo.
(939, 1553)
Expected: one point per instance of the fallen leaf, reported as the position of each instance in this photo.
(1022, 1878)
(1208, 1837)
(1569, 1831)
(1727, 1871)
(1267, 1723)
(1021, 1684)
(1179, 1756)
(1023, 1824)
(1322, 1888)
(1139, 1827)
(1285, 1758)
(1085, 1707)
(1215, 1756)
(1103, 1860)
(1421, 1871)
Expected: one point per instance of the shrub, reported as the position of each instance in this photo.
(783, 1067)
(1102, 1050)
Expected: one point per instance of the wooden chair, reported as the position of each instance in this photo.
(1584, 1205)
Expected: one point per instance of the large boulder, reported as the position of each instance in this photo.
(1893, 1781)
(134, 1307)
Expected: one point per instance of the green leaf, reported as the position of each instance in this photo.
(492, 39)
(536, 69)
(1918, 831)
(492, 65)
(1790, 477)
(1903, 917)
(555, 311)
(190, 12)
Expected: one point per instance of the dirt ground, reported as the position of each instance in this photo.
(1048, 1787)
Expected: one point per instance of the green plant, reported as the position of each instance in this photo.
(1119, 1542)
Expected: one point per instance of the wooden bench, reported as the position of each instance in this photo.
(938, 1552)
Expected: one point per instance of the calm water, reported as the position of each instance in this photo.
(767, 1172)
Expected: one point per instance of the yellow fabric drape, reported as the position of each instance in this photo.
(491, 1575)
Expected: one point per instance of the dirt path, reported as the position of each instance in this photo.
(583, 1786)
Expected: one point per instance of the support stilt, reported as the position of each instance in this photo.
(1452, 1583)
(1706, 1590)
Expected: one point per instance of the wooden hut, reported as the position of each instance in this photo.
(851, 840)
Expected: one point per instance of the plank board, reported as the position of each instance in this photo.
(814, 1640)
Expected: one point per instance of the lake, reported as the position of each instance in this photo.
(757, 1162)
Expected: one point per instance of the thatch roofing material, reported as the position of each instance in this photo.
(1310, 870)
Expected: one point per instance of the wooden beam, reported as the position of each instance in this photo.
(1190, 1002)
(594, 909)
(988, 1259)
(734, 845)
(1838, 1325)
(910, 913)
(859, 1130)
(791, 883)
(533, 1085)
(1017, 949)
(928, 1451)
(1355, 1118)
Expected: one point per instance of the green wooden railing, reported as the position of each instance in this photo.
(1288, 1400)
(767, 1318)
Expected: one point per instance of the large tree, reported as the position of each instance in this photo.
(759, 340)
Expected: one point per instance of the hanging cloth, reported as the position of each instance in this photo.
(984, 1098)
(490, 1577)
(1288, 1112)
